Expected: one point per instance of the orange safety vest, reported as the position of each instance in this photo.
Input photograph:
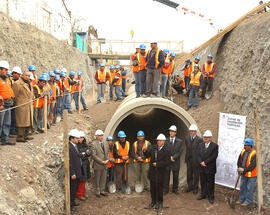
(252, 173)
(183, 82)
(5, 89)
(79, 87)
(71, 87)
(208, 68)
(122, 152)
(186, 71)
(53, 87)
(66, 84)
(145, 145)
(191, 68)
(141, 59)
(39, 102)
(169, 69)
(195, 79)
(111, 74)
(110, 164)
(156, 57)
(119, 81)
(101, 76)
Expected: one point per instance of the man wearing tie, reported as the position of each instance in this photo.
(101, 157)
(75, 165)
(207, 155)
(160, 158)
(192, 142)
(175, 147)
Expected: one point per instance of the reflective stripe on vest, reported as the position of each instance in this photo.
(208, 68)
(111, 76)
(119, 81)
(252, 173)
(71, 87)
(5, 89)
(195, 80)
(169, 69)
(122, 152)
(39, 102)
(80, 86)
(53, 87)
(101, 76)
(145, 145)
(141, 60)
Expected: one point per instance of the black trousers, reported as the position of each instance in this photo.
(207, 86)
(167, 180)
(192, 175)
(156, 190)
(207, 184)
(186, 81)
(73, 189)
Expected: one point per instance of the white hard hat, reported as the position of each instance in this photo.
(193, 127)
(4, 64)
(32, 76)
(161, 137)
(17, 69)
(207, 133)
(82, 134)
(99, 132)
(64, 70)
(74, 133)
(173, 128)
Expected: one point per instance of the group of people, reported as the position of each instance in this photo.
(23, 96)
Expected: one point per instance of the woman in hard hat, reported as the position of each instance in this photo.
(160, 159)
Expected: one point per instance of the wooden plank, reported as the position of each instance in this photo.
(45, 114)
(66, 162)
(223, 32)
(258, 162)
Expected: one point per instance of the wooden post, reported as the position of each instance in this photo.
(79, 99)
(45, 114)
(66, 163)
(258, 161)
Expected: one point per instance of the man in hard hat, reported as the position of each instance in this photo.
(110, 170)
(79, 88)
(122, 154)
(75, 166)
(23, 91)
(101, 157)
(178, 83)
(111, 74)
(140, 76)
(141, 158)
(72, 83)
(117, 82)
(62, 88)
(207, 156)
(32, 69)
(175, 146)
(101, 78)
(187, 71)
(195, 85)
(247, 167)
(8, 96)
(208, 71)
(193, 63)
(160, 159)
(192, 142)
(155, 60)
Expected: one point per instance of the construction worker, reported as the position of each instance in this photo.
(8, 96)
(32, 69)
(187, 71)
(110, 170)
(247, 167)
(53, 87)
(178, 83)
(121, 154)
(39, 92)
(196, 61)
(135, 64)
(175, 146)
(57, 71)
(117, 82)
(160, 159)
(79, 87)
(192, 142)
(208, 71)
(124, 79)
(155, 60)
(207, 156)
(101, 77)
(72, 84)
(111, 75)
(195, 85)
(170, 71)
(164, 72)
(101, 157)
(141, 159)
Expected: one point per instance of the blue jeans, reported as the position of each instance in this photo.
(111, 92)
(164, 78)
(60, 106)
(137, 83)
(193, 92)
(124, 85)
(118, 92)
(247, 189)
(67, 101)
(100, 91)
(142, 79)
(5, 121)
(13, 121)
(76, 99)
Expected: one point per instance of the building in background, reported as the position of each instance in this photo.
(51, 16)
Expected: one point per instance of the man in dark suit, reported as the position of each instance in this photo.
(192, 142)
(160, 158)
(207, 155)
(175, 146)
(75, 165)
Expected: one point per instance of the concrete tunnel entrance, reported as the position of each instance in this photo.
(153, 116)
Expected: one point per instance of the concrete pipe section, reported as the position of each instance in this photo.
(153, 116)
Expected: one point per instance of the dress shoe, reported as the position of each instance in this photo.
(201, 197)
(76, 204)
(73, 209)
(211, 201)
(104, 194)
(152, 205)
(82, 199)
(98, 196)
(188, 190)
(195, 191)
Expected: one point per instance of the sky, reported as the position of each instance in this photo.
(151, 20)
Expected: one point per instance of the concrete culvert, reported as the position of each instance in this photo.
(153, 116)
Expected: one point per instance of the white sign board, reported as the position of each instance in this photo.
(231, 136)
